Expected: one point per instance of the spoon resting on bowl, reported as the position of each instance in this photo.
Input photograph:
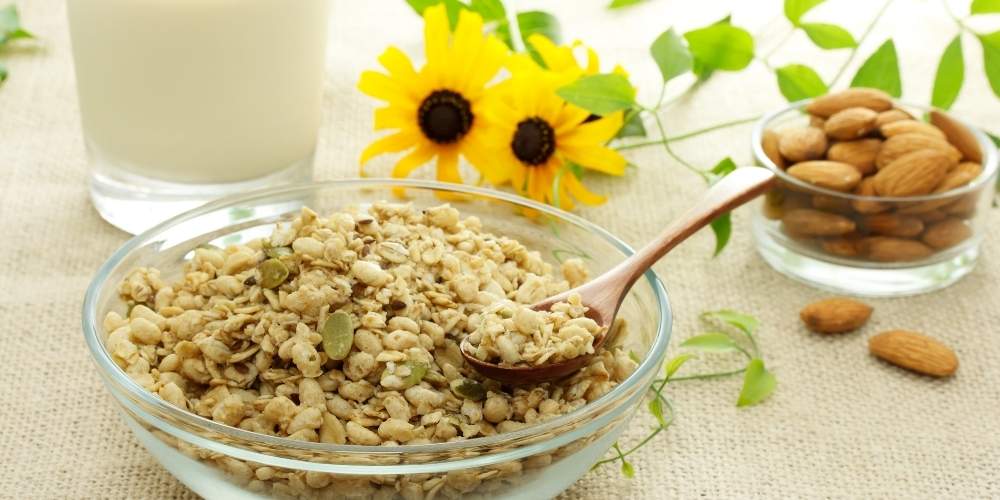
(604, 295)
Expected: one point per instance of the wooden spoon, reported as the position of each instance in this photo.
(604, 295)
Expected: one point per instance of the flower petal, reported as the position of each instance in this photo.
(380, 86)
(596, 132)
(596, 157)
(413, 160)
(436, 33)
(580, 192)
(389, 144)
(394, 117)
(447, 166)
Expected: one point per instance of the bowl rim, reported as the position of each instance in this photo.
(989, 163)
(111, 372)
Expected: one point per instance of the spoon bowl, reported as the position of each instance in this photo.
(604, 295)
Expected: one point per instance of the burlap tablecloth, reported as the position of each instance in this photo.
(841, 424)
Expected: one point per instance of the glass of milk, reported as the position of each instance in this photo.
(183, 101)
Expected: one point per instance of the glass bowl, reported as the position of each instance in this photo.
(888, 252)
(218, 461)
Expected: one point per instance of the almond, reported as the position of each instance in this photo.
(780, 200)
(959, 176)
(867, 188)
(846, 246)
(914, 173)
(959, 135)
(816, 121)
(809, 222)
(802, 144)
(947, 233)
(873, 99)
(915, 352)
(831, 203)
(888, 249)
(964, 207)
(932, 216)
(902, 226)
(893, 115)
(901, 144)
(827, 174)
(850, 123)
(910, 127)
(860, 154)
(769, 143)
(835, 315)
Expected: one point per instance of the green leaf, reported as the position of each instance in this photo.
(984, 6)
(829, 36)
(674, 364)
(627, 469)
(991, 59)
(536, 21)
(620, 4)
(600, 94)
(722, 228)
(634, 357)
(995, 139)
(721, 46)
(798, 81)
(656, 408)
(881, 70)
(795, 9)
(758, 383)
(950, 75)
(722, 169)
(10, 25)
(491, 10)
(633, 127)
(711, 342)
(748, 324)
(3, 72)
(419, 6)
(671, 55)
(453, 8)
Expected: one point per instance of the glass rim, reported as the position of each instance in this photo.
(989, 162)
(113, 374)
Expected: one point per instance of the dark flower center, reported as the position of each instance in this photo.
(534, 141)
(445, 116)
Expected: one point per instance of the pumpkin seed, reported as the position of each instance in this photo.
(278, 252)
(338, 335)
(418, 370)
(468, 389)
(273, 273)
(435, 379)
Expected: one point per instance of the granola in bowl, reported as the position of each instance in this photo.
(346, 329)
(512, 334)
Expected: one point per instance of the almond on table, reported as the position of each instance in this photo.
(835, 315)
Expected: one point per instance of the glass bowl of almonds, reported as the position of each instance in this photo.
(303, 342)
(874, 197)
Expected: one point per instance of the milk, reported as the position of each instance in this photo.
(199, 91)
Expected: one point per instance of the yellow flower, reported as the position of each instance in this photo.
(562, 59)
(436, 112)
(533, 134)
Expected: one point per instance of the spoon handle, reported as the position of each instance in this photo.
(733, 190)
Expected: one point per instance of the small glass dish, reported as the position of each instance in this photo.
(867, 262)
(538, 461)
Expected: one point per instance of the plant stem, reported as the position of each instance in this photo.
(670, 151)
(693, 133)
(623, 454)
(778, 45)
(703, 376)
(854, 50)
